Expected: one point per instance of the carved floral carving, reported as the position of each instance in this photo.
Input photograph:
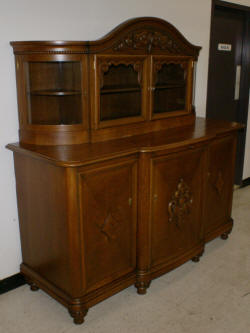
(180, 204)
(137, 66)
(148, 40)
(157, 66)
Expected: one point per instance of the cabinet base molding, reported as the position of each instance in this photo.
(77, 306)
(163, 268)
(222, 231)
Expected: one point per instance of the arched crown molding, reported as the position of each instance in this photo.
(143, 35)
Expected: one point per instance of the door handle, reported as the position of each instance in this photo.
(237, 83)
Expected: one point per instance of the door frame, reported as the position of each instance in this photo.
(245, 78)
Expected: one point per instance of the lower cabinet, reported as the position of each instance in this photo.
(177, 206)
(91, 230)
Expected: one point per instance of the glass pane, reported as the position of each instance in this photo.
(170, 88)
(120, 94)
(54, 93)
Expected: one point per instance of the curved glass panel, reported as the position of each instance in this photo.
(54, 94)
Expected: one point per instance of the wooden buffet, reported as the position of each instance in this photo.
(118, 181)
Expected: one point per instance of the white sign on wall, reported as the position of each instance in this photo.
(225, 47)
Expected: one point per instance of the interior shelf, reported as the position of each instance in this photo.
(170, 86)
(55, 92)
(114, 90)
(177, 108)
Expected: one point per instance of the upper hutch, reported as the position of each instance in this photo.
(135, 80)
(117, 180)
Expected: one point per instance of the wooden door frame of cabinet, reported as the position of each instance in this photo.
(92, 169)
(164, 59)
(96, 63)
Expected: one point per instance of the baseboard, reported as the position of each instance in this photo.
(11, 283)
(245, 182)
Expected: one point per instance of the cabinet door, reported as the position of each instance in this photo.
(120, 90)
(108, 217)
(177, 191)
(220, 184)
(171, 86)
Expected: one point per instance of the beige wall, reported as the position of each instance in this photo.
(76, 20)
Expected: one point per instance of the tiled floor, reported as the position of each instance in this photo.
(211, 296)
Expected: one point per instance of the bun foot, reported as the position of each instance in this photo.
(142, 287)
(225, 235)
(78, 314)
(78, 320)
(197, 257)
(33, 287)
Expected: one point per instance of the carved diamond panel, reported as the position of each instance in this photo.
(110, 227)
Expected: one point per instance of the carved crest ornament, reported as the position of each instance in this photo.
(147, 40)
(180, 204)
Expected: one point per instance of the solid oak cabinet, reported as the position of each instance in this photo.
(117, 181)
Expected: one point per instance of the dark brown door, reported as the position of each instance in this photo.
(177, 205)
(108, 217)
(219, 185)
(228, 81)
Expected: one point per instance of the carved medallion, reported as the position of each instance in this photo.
(180, 205)
(148, 40)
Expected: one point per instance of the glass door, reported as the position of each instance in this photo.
(121, 90)
(54, 91)
(171, 86)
